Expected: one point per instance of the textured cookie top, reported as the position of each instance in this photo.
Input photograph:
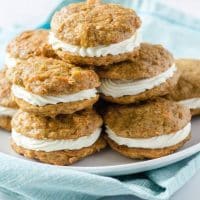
(48, 76)
(30, 44)
(6, 99)
(150, 61)
(150, 119)
(89, 24)
(72, 126)
(189, 82)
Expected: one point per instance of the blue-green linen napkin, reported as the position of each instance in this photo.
(20, 179)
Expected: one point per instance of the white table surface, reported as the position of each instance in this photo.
(33, 12)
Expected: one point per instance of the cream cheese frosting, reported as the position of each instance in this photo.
(37, 100)
(5, 111)
(49, 145)
(157, 142)
(119, 88)
(11, 61)
(192, 103)
(98, 51)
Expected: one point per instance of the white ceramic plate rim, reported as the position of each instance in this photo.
(130, 168)
(123, 169)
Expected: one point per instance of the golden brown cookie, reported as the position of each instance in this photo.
(149, 130)
(81, 34)
(141, 154)
(50, 87)
(62, 141)
(28, 44)
(187, 90)
(150, 74)
(72, 126)
(8, 107)
(64, 157)
(150, 61)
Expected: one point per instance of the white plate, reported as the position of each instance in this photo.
(108, 162)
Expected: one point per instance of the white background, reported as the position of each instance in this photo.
(34, 12)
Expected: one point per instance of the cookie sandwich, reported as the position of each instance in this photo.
(48, 87)
(8, 107)
(62, 140)
(150, 130)
(28, 44)
(187, 90)
(150, 74)
(82, 34)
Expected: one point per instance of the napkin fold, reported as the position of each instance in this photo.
(21, 179)
(24, 180)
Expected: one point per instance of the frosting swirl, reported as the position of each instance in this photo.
(98, 51)
(119, 88)
(37, 100)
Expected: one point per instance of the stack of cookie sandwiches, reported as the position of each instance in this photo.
(56, 77)
(131, 72)
(55, 100)
(148, 126)
(56, 123)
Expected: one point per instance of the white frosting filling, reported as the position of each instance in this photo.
(165, 140)
(49, 145)
(37, 100)
(193, 103)
(119, 88)
(102, 50)
(11, 61)
(5, 111)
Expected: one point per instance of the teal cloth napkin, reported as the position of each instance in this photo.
(21, 179)
(24, 180)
